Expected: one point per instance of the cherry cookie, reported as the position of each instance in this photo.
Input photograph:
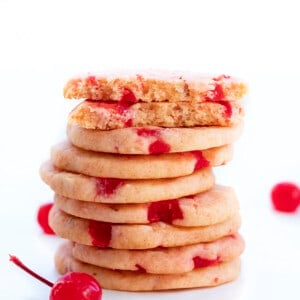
(153, 140)
(163, 260)
(111, 190)
(154, 86)
(67, 157)
(213, 206)
(106, 115)
(142, 281)
(131, 236)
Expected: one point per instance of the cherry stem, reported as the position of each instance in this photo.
(17, 262)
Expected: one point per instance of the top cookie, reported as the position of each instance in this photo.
(154, 86)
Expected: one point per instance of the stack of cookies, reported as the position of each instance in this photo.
(135, 194)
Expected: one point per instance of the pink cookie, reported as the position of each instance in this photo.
(110, 190)
(141, 281)
(70, 158)
(153, 140)
(131, 236)
(155, 86)
(113, 115)
(213, 206)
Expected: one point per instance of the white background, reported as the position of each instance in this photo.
(43, 43)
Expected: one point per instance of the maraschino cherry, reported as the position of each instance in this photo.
(73, 285)
(42, 218)
(285, 197)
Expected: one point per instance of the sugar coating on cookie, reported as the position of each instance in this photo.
(153, 139)
(67, 157)
(114, 190)
(105, 115)
(141, 281)
(154, 86)
(131, 236)
(213, 206)
(163, 260)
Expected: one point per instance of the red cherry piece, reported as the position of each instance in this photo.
(201, 161)
(128, 123)
(100, 233)
(128, 96)
(159, 146)
(42, 218)
(217, 94)
(228, 108)
(285, 197)
(200, 262)
(123, 107)
(108, 186)
(120, 107)
(166, 211)
(76, 286)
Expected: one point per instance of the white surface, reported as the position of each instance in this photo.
(43, 43)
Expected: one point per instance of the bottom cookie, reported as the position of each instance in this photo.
(141, 281)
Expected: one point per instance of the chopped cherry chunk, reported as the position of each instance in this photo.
(217, 93)
(159, 146)
(100, 233)
(228, 108)
(128, 96)
(200, 262)
(108, 186)
(166, 211)
(201, 161)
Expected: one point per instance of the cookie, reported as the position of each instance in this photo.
(163, 260)
(213, 206)
(109, 190)
(131, 236)
(153, 140)
(105, 115)
(70, 158)
(141, 281)
(154, 86)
